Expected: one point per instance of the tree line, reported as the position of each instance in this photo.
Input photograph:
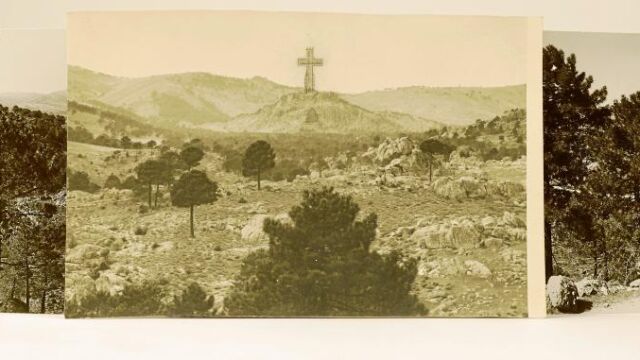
(591, 174)
(32, 216)
(81, 134)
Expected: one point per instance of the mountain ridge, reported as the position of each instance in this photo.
(205, 100)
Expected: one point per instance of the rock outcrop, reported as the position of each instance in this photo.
(396, 156)
(253, 231)
(562, 293)
(476, 268)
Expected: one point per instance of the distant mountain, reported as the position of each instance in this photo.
(448, 105)
(260, 105)
(55, 102)
(323, 113)
(170, 100)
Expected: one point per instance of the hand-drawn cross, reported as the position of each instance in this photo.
(309, 62)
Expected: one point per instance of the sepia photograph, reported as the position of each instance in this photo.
(32, 171)
(250, 164)
(592, 185)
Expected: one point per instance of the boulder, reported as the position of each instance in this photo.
(431, 236)
(448, 188)
(588, 286)
(253, 230)
(476, 268)
(443, 267)
(615, 286)
(463, 234)
(635, 284)
(506, 189)
(492, 242)
(390, 149)
(562, 293)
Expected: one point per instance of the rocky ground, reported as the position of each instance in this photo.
(470, 239)
(630, 303)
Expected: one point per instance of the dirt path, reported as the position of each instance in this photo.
(630, 304)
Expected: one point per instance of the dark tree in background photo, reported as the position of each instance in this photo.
(258, 158)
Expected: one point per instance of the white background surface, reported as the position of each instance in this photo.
(570, 337)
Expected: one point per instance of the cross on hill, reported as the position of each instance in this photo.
(309, 62)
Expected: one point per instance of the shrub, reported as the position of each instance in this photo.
(112, 182)
(141, 230)
(193, 302)
(143, 299)
(130, 183)
(322, 266)
(79, 180)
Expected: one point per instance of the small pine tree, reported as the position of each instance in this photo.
(322, 265)
(258, 158)
(191, 155)
(148, 173)
(112, 182)
(79, 180)
(432, 147)
(193, 188)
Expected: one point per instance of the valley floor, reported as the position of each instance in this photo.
(111, 241)
(110, 220)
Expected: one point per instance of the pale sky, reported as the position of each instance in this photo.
(32, 61)
(360, 52)
(612, 59)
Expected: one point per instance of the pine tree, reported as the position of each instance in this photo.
(258, 158)
(432, 147)
(322, 265)
(191, 155)
(150, 172)
(193, 188)
(573, 116)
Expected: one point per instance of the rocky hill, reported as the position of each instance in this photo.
(323, 113)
